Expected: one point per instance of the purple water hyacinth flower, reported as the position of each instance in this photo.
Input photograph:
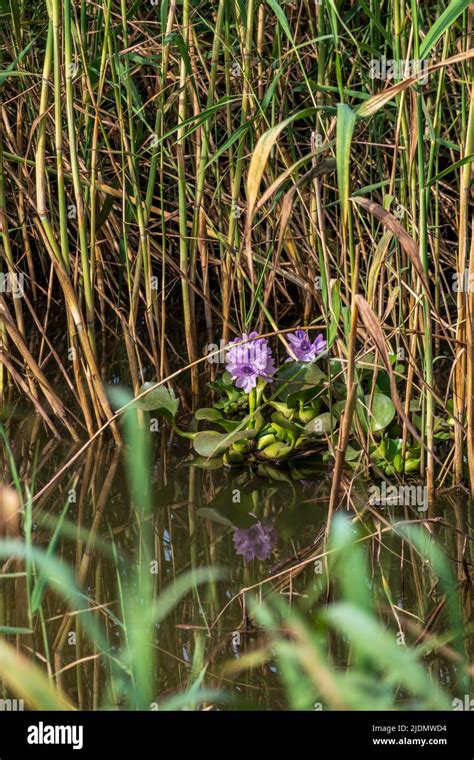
(257, 541)
(303, 348)
(249, 361)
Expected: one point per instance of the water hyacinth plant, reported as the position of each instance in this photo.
(248, 359)
(302, 347)
(264, 408)
(292, 411)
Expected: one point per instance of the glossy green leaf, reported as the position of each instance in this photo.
(160, 400)
(376, 412)
(295, 377)
(209, 443)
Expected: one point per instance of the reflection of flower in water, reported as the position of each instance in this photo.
(257, 541)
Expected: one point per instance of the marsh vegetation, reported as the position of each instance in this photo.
(236, 353)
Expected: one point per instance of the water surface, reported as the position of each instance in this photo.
(264, 528)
